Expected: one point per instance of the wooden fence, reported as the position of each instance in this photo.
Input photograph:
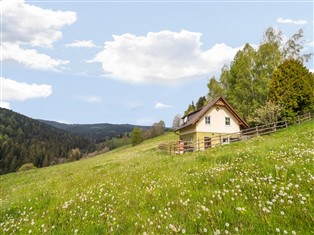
(203, 144)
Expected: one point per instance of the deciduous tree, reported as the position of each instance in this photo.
(136, 136)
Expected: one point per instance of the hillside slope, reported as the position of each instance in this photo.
(96, 132)
(25, 140)
(260, 186)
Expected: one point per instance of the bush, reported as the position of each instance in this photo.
(162, 147)
(26, 167)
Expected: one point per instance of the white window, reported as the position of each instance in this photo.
(227, 121)
(207, 120)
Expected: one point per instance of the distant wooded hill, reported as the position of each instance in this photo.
(96, 132)
(25, 140)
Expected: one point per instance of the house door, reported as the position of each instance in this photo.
(207, 142)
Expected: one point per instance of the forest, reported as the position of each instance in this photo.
(25, 140)
(96, 132)
(266, 80)
(44, 143)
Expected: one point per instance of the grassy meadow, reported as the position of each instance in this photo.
(260, 186)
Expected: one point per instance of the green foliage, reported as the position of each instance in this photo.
(25, 140)
(136, 136)
(242, 93)
(74, 154)
(246, 84)
(191, 108)
(292, 87)
(214, 89)
(267, 114)
(253, 187)
(96, 132)
(26, 167)
(201, 102)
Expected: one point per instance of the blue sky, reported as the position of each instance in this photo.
(128, 62)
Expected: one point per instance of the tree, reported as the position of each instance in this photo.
(191, 108)
(267, 59)
(176, 122)
(293, 47)
(241, 83)
(157, 129)
(214, 88)
(267, 114)
(161, 127)
(246, 84)
(201, 102)
(291, 87)
(136, 136)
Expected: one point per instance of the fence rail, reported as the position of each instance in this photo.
(202, 144)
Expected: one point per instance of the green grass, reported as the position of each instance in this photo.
(259, 186)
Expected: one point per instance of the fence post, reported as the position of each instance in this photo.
(198, 144)
(286, 123)
(170, 146)
(256, 129)
(298, 119)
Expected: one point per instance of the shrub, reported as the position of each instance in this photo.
(26, 167)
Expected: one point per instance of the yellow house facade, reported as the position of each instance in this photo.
(215, 123)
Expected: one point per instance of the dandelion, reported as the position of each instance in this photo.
(205, 230)
(277, 230)
(285, 232)
(282, 213)
(29, 231)
(75, 231)
(293, 232)
(217, 232)
(183, 231)
(227, 225)
(236, 229)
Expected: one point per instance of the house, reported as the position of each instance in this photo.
(215, 123)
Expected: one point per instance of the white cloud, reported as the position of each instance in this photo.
(30, 26)
(5, 105)
(290, 21)
(13, 90)
(30, 57)
(92, 99)
(159, 105)
(83, 43)
(161, 57)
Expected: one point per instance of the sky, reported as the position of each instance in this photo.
(135, 62)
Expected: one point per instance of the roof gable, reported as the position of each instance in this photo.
(194, 117)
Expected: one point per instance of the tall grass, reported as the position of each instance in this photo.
(261, 186)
